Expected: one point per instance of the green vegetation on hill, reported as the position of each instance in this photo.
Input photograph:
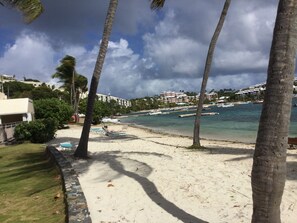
(30, 186)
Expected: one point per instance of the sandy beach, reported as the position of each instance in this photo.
(145, 177)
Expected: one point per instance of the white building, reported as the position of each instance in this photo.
(12, 112)
(16, 110)
(108, 98)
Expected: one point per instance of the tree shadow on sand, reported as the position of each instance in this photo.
(123, 165)
(98, 138)
(243, 154)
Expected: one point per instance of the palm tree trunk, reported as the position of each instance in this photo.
(212, 45)
(269, 162)
(82, 149)
(73, 96)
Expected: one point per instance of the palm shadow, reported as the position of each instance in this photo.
(100, 138)
(243, 154)
(115, 161)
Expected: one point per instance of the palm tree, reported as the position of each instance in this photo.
(81, 86)
(31, 9)
(212, 45)
(156, 4)
(196, 136)
(269, 162)
(66, 73)
(82, 149)
(73, 82)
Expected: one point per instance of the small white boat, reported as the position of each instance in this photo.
(225, 105)
(155, 113)
(112, 120)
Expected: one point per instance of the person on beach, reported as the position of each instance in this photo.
(105, 128)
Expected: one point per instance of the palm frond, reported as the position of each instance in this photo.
(157, 4)
(30, 9)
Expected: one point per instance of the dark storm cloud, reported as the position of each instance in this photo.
(77, 22)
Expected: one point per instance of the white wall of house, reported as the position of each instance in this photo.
(15, 110)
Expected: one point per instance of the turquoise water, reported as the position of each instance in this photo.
(238, 123)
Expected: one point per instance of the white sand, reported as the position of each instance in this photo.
(151, 178)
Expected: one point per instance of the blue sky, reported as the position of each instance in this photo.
(149, 52)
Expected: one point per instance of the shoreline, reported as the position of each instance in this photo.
(163, 132)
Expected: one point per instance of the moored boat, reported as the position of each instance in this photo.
(225, 105)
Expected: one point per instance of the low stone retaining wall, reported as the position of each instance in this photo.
(76, 204)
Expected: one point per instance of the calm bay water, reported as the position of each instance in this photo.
(238, 123)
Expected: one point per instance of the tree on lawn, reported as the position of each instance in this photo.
(82, 149)
(269, 162)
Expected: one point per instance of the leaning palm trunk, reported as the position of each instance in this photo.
(74, 93)
(82, 149)
(212, 45)
(269, 162)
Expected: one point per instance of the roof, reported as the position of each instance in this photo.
(16, 106)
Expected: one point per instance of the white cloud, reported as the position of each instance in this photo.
(240, 61)
(235, 81)
(31, 55)
(174, 54)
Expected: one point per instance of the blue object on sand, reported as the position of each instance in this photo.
(66, 145)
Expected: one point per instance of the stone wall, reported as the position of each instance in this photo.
(76, 204)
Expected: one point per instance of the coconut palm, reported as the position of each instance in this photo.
(269, 162)
(71, 81)
(81, 86)
(82, 149)
(212, 45)
(66, 73)
(155, 4)
(31, 9)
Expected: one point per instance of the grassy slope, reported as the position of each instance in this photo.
(28, 186)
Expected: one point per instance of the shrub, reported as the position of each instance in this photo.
(53, 108)
(38, 131)
(22, 132)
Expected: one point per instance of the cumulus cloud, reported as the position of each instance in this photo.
(235, 81)
(174, 54)
(30, 55)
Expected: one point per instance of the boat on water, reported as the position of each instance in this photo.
(155, 113)
(225, 105)
(202, 114)
(243, 102)
(112, 120)
(258, 102)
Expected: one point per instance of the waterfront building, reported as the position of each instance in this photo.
(181, 97)
(108, 98)
(174, 97)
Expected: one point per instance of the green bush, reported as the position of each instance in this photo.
(38, 131)
(22, 132)
(53, 108)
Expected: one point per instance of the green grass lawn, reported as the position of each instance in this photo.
(29, 184)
